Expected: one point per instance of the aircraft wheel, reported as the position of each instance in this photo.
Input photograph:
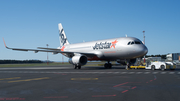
(79, 67)
(75, 67)
(127, 67)
(162, 67)
(152, 67)
(109, 65)
(106, 65)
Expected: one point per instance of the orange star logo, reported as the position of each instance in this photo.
(62, 49)
(114, 43)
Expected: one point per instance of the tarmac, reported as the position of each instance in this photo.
(91, 83)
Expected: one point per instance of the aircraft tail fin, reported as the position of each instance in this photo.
(62, 36)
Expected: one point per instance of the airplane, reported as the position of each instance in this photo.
(124, 50)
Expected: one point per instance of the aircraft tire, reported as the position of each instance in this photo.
(75, 67)
(109, 65)
(106, 65)
(152, 67)
(162, 67)
(79, 67)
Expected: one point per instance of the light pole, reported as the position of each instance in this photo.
(144, 36)
(47, 53)
(144, 44)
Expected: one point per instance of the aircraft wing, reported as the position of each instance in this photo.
(53, 50)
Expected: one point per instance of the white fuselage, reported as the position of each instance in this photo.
(110, 49)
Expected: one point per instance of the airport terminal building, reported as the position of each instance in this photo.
(173, 56)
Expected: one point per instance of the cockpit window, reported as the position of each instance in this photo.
(137, 42)
(134, 42)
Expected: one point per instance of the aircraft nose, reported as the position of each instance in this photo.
(145, 50)
(142, 50)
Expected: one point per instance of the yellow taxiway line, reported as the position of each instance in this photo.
(29, 79)
(10, 78)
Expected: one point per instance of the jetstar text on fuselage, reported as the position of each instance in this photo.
(105, 45)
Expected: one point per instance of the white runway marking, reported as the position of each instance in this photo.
(54, 72)
(139, 73)
(163, 72)
(146, 72)
(171, 72)
(35, 68)
(178, 73)
(131, 73)
(155, 72)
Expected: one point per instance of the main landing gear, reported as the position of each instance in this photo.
(128, 65)
(108, 65)
(76, 67)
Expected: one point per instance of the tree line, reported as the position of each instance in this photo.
(162, 56)
(19, 61)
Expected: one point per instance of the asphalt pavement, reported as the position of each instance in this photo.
(88, 84)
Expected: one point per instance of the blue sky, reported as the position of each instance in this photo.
(34, 23)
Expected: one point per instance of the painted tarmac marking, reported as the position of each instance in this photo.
(134, 87)
(155, 77)
(146, 72)
(55, 97)
(163, 72)
(10, 78)
(116, 72)
(29, 79)
(84, 78)
(124, 84)
(121, 84)
(15, 98)
(131, 73)
(123, 72)
(138, 72)
(171, 72)
(155, 72)
(103, 95)
(64, 73)
(124, 91)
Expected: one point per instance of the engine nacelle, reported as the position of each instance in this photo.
(79, 60)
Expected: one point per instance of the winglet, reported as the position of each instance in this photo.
(4, 43)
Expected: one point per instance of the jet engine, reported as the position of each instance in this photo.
(78, 60)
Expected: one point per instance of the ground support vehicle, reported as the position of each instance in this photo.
(160, 65)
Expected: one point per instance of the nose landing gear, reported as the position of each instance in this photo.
(108, 65)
